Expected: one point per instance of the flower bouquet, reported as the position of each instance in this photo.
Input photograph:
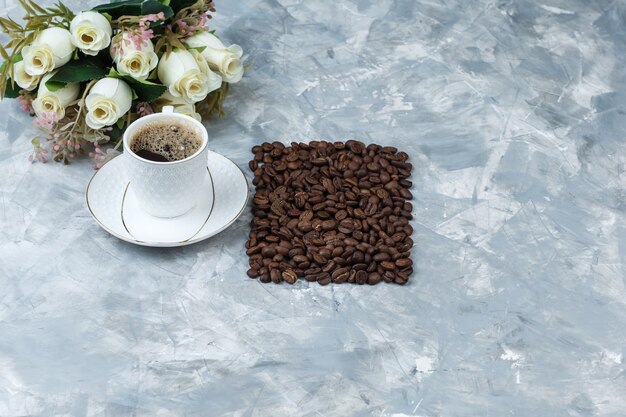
(85, 77)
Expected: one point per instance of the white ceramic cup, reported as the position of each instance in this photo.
(166, 189)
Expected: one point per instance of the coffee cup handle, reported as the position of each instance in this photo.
(167, 109)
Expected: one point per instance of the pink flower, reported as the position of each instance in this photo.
(26, 102)
(46, 121)
(100, 158)
(144, 109)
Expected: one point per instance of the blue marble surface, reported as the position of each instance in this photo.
(513, 113)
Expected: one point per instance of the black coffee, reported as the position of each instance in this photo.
(151, 156)
(166, 141)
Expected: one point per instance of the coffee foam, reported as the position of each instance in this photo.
(172, 139)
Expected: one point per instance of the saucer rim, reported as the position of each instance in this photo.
(162, 244)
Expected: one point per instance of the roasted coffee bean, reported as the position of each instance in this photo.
(341, 278)
(358, 257)
(325, 252)
(339, 272)
(324, 280)
(329, 225)
(300, 258)
(382, 256)
(268, 252)
(389, 266)
(312, 271)
(330, 266)
(359, 267)
(330, 212)
(289, 276)
(275, 275)
(401, 280)
(253, 273)
(406, 193)
(319, 259)
(404, 262)
(373, 278)
(340, 215)
(253, 250)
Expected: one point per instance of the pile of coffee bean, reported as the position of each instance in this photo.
(330, 212)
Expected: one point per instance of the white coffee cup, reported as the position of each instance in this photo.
(166, 189)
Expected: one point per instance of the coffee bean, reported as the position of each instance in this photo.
(268, 252)
(253, 273)
(382, 256)
(340, 215)
(300, 258)
(320, 260)
(329, 225)
(406, 193)
(324, 280)
(389, 266)
(325, 252)
(275, 276)
(403, 262)
(359, 267)
(361, 277)
(323, 207)
(358, 257)
(339, 271)
(330, 266)
(253, 250)
(289, 276)
(341, 278)
(373, 278)
(400, 280)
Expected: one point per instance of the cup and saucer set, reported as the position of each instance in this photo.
(167, 204)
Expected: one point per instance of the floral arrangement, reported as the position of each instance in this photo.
(85, 77)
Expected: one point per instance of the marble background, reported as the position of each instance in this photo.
(513, 113)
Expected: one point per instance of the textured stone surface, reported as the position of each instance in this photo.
(513, 115)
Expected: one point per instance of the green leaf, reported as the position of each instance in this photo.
(134, 8)
(154, 75)
(84, 69)
(113, 73)
(119, 8)
(154, 7)
(12, 91)
(165, 2)
(146, 90)
(108, 16)
(178, 5)
(55, 85)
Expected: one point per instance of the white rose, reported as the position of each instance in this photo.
(179, 104)
(180, 72)
(23, 79)
(213, 79)
(54, 102)
(51, 49)
(91, 32)
(131, 61)
(108, 100)
(226, 60)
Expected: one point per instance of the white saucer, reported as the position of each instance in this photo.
(113, 205)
